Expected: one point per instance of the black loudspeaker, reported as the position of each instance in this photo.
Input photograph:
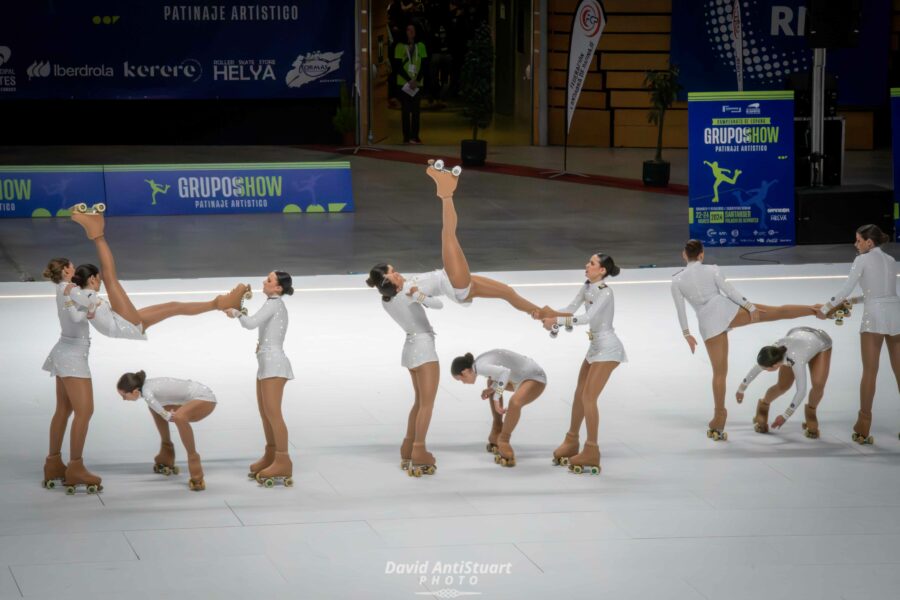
(801, 84)
(473, 152)
(831, 215)
(833, 23)
(833, 147)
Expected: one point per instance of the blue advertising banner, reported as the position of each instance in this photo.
(741, 168)
(773, 47)
(48, 191)
(895, 151)
(155, 49)
(177, 189)
(227, 189)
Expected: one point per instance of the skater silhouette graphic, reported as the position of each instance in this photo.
(157, 189)
(720, 174)
(756, 197)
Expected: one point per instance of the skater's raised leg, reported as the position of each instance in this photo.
(774, 313)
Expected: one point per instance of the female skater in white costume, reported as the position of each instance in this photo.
(801, 348)
(505, 370)
(719, 307)
(875, 272)
(605, 353)
(179, 401)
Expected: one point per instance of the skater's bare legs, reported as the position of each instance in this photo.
(414, 411)
(893, 346)
(427, 378)
(191, 412)
(272, 394)
(165, 436)
(784, 383)
(819, 367)
(598, 375)
(151, 315)
(773, 313)
(870, 348)
(717, 348)
(482, 287)
(528, 391)
(577, 403)
(81, 395)
(267, 427)
(118, 299)
(497, 422)
(60, 419)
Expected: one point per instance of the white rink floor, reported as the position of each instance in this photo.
(674, 515)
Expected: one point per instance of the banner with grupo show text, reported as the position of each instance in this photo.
(151, 190)
(587, 27)
(741, 168)
(157, 49)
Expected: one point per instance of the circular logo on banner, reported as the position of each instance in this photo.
(589, 18)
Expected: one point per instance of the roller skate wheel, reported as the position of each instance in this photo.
(92, 489)
(248, 294)
(251, 475)
(508, 462)
(709, 433)
(489, 447)
(176, 470)
(760, 428)
(81, 207)
(70, 490)
(811, 435)
(555, 461)
(288, 482)
(100, 207)
(430, 470)
(197, 486)
(244, 311)
(409, 471)
(724, 435)
(577, 469)
(50, 484)
(497, 459)
(269, 482)
(404, 464)
(457, 171)
(595, 470)
(438, 164)
(416, 472)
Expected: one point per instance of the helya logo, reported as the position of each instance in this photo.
(311, 66)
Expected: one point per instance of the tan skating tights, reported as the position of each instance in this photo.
(269, 393)
(425, 379)
(73, 394)
(190, 412)
(592, 379)
(528, 392)
(870, 348)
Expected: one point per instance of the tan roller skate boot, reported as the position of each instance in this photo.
(281, 470)
(422, 461)
(90, 218)
(77, 475)
(406, 453)
(492, 439)
(446, 180)
(811, 424)
(195, 483)
(566, 450)
(587, 461)
(505, 456)
(54, 471)
(164, 462)
(235, 298)
(861, 429)
(716, 429)
(267, 459)
(761, 420)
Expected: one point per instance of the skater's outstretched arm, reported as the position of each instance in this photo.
(155, 405)
(258, 318)
(585, 317)
(72, 312)
(799, 370)
(856, 271)
(576, 302)
(748, 379)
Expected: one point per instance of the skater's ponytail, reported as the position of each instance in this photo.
(54, 269)
(607, 262)
(693, 249)
(378, 280)
(874, 233)
(461, 363)
(769, 356)
(286, 283)
(131, 381)
(83, 273)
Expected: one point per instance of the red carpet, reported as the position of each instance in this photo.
(517, 171)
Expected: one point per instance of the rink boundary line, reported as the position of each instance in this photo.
(515, 285)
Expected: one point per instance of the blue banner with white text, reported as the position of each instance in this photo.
(153, 49)
(773, 47)
(48, 191)
(741, 168)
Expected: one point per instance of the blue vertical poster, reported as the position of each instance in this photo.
(741, 168)
(895, 151)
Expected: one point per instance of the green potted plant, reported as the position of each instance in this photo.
(344, 119)
(664, 88)
(476, 88)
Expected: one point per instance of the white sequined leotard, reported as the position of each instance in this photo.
(272, 321)
(160, 392)
(406, 310)
(69, 357)
(876, 274)
(715, 301)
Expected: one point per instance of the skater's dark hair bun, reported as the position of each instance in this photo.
(83, 273)
(693, 249)
(54, 269)
(607, 262)
(378, 280)
(461, 363)
(131, 381)
(286, 283)
(770, 355)
(874, 233)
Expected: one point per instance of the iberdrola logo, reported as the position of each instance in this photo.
(311, 66)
